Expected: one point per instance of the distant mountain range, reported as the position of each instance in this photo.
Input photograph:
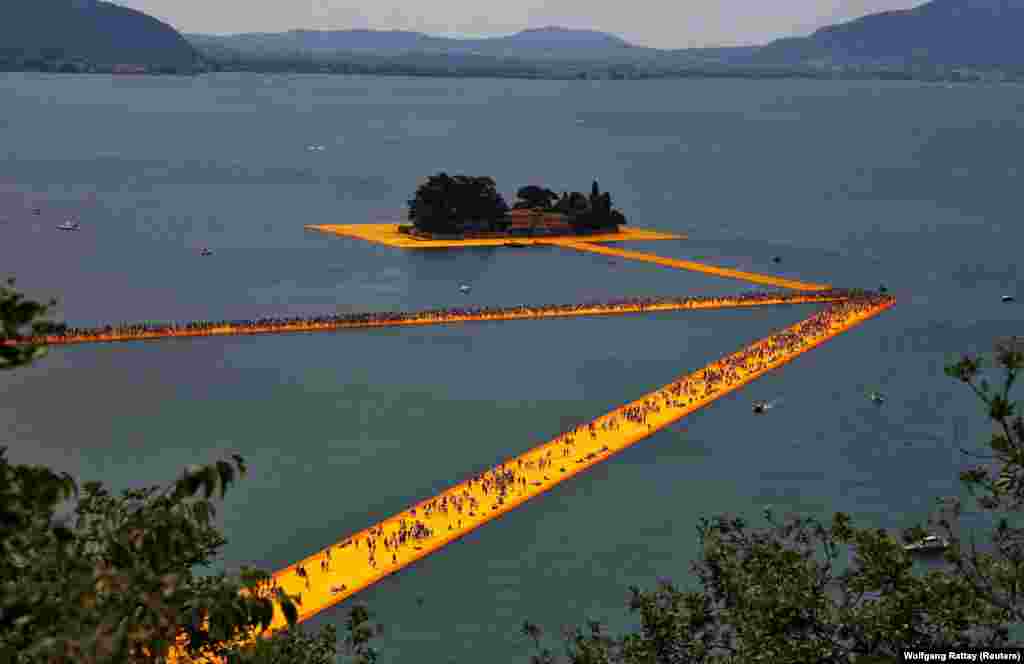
(90, 31)
(549, 42)
(941, 32)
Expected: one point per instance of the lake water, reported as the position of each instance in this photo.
(855, 183)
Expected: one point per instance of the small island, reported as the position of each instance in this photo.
(465, 207)
(468, 211)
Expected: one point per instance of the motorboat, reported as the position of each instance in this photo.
(876, 397)
(69, 225)
(1008, 298)
(465, 288)
(927, 544)
(205, 251)
(760, 407)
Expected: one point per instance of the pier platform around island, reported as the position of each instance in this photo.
(388, 234)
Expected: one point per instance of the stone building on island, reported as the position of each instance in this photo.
(524, 221)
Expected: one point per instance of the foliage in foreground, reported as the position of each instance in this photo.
(113, 580)
(17, 316)
(87, 577)
(785, 593)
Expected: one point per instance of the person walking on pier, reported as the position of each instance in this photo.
(497, 484)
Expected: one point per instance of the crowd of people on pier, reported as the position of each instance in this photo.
(270, 324)
(731, 370)
(524, 476)
(412, 529)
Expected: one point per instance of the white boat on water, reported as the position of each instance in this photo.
(205, 252)
(761, 407)
(69, 225)
(465, 288)
(927, 544)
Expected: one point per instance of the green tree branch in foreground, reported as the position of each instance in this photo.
(113, 580)
(17, 314)
(87, 577)
(783, 593)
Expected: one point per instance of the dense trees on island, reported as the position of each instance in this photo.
(450, 205)
(461, 205)
(589, 213)
(114, 578)
(532, 196)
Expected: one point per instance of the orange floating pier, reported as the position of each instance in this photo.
(680, 264)
(351, 565)
(387, 234)
(435, 317)
(360, 560)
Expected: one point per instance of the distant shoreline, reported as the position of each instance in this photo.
(842, 74)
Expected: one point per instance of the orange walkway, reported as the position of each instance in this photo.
(364, 558)
(440, 318)
(345, 568)
(387, 234)
(689, 265)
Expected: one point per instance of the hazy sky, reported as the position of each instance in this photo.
(656, 23)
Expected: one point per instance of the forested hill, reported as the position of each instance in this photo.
(99, 33)
(941, 32)
(547, 43)
(929, 40)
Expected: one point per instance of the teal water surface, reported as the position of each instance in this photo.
(853, 183)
